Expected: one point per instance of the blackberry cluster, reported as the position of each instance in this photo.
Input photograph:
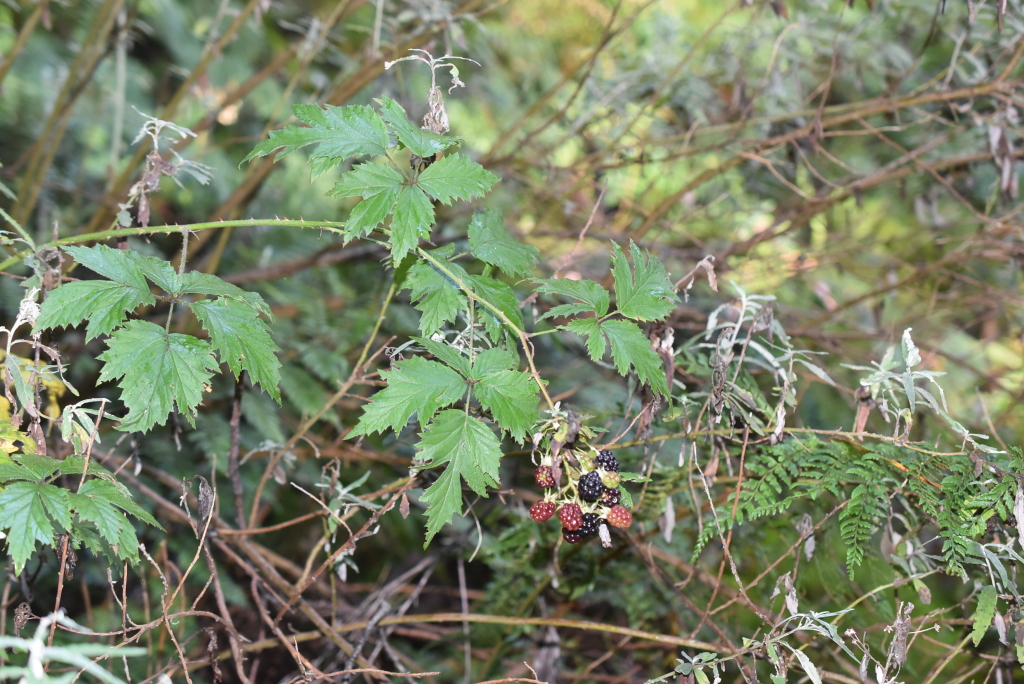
(590, 487)
(589, 503)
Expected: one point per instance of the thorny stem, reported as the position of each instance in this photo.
(181, 271)
(329, 226)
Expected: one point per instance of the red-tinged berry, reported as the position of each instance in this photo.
(590, 487)
(620, 517)
(610, 497)
(571, 516)
(542, 511)
(606, 460)
(571, 536)
(609, 478)
(589, 527)
(545, 477)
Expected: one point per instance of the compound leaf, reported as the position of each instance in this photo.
(493, 360)
(27, 467)
(419, 140)
(500, 295)
(370, 213)
(197, 282)
(492, 244)
(104, 303)
(118, 495)
(456, 176)
(472, 453)
(341, 132)
(160, 272)
(110, 522)
(379, 185)
(586, 291)
(159, 372)
(511, 397)
(415, 385)
(589, 328)
(630, 347)
(434, 294)
(446, 353)
(242, 340)
(414, 214)
(647, 294)
(28, 510)
(367, 180)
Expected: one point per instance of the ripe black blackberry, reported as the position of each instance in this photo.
(591, 487)
(606, 461)
(610, 497)
(572, 536)
(589, 527)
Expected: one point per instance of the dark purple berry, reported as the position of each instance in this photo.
(571, 536)
(589, 527)
(610, 497)
(591, 487)
(606, 461)
(545, 477)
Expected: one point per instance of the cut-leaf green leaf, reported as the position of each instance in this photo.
(456, 177)
(492, 244)
(242, 340)
(419, 140)
(472, 453)
(339, 132)
(415, 385)
(159, 372)
(645, 294)
(588, 292)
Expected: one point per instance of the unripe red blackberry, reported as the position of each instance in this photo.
(619, 516)
(571, 516)
(606, 460)
(610, 497)
(590, 487)
(542, 511)
(571, 536)
(545, 477)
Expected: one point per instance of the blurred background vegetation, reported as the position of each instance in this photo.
(857, 160)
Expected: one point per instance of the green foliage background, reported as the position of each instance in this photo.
(856, 161)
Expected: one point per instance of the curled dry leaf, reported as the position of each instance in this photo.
(900, 630)
(22, 614)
